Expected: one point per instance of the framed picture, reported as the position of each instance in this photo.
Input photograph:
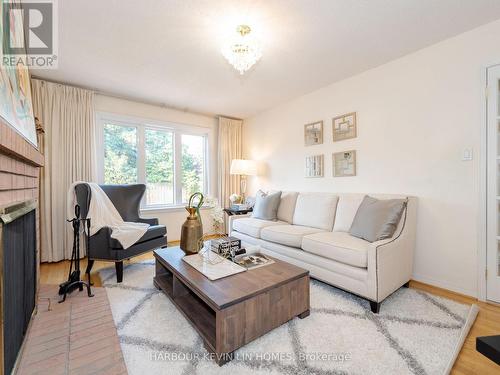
(313, 133)
(314, 166)
(16, 107)
(344, 127)
(344, 163)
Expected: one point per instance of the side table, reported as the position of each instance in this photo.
(489, 346)
(232, 212)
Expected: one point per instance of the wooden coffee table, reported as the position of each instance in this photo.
(230, 312)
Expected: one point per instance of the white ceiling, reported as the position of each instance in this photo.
(168, 51)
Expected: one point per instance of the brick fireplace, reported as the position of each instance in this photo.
(20, 164)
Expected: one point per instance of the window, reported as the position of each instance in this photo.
(159, 147)
(172, 161)
(120, 154)
(193, 165)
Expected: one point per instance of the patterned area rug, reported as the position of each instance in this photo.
(415, 333)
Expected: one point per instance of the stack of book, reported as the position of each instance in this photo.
(229, 247)
(239, 206)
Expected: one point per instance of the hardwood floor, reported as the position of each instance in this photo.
(468, 362)
(56, 273)
(487, 323)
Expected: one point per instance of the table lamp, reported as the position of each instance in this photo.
(243, 168)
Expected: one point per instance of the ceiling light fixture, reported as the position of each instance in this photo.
(243, 51)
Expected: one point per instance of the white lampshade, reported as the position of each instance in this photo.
(243, 167)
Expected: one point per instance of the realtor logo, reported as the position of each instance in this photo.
(29, 33)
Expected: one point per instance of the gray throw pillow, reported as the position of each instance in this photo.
(266, 205)
(377, 219)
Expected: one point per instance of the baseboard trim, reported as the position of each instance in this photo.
(444, 285)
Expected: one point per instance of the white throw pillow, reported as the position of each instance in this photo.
(315, 210)
(346, 210)
(287, 206)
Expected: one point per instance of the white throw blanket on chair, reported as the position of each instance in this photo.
(103, 213)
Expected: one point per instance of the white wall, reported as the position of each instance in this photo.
(415, 116)
(172, 218)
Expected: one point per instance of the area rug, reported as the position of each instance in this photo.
(414, 333)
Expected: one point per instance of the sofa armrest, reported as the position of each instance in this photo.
(153, 221)
(390, 262)
(232, 219)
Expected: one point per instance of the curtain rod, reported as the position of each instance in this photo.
(130, 98)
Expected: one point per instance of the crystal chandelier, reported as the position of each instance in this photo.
(243, 51)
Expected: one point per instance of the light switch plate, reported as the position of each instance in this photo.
(467, 154)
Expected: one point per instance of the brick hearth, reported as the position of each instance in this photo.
(74, 337)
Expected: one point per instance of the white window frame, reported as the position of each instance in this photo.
(141, 124)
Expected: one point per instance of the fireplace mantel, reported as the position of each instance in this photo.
(16, 146)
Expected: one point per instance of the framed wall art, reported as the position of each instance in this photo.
(314, 166)
(344, 163)
(16, 107)
(344, 127)
(313, 133)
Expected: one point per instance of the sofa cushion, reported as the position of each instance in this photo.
(154, 231)
(338, 246)
(266, 205)
(288, 235)
(287, 206)
(315, 210)
(252, 226)
(346, 210)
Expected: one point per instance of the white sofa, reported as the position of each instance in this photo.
(312, 232)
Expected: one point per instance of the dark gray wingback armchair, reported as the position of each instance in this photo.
(127, 200)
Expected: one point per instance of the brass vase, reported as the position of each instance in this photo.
(192, 229)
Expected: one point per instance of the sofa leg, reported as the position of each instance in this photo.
(375, 306)
(90, 264)
(119, 271)
(406, 285)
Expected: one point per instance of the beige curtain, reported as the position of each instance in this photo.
(67, 113)
(229, 148)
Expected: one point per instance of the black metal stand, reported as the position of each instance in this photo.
(74, 281)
